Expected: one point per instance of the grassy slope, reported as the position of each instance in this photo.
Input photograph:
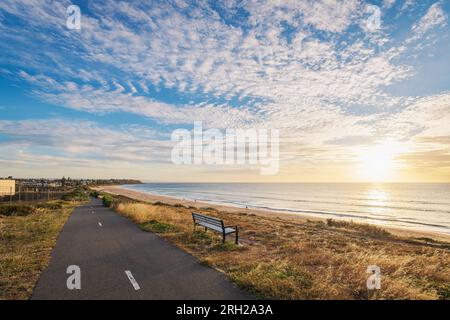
(288, 260)
(27, 238)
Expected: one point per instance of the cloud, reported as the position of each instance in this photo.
(420, 126)
(388, 3)
(305, 67)
(103, 101)
(77, 140)
(407, 4)
(325, 15)
(355, 140)
(434, 17)
(428, 159)
(445, 140)
(220, 60)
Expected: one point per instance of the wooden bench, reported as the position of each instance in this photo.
(215, 225)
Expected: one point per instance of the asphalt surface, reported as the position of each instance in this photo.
(105, 245)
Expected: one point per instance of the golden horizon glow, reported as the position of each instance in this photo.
(377, 162)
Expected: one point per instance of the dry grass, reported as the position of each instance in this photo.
(26, 241)
(314, 260)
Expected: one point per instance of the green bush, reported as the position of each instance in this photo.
(159, 203)
(94, 193)
(444, 292)
(228, 246)
(78, 194)
(50, 205)
(107, 200)
(17, 210)
(157, 226)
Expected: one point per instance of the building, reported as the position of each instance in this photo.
(7, 187)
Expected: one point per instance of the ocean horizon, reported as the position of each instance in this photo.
(414, 206)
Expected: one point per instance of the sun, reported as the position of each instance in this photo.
(377, 162)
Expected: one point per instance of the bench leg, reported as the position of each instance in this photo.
(237, 236)
(223, 237)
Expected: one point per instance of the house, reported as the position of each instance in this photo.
(7, 187)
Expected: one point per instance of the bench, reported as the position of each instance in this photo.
(215, 225)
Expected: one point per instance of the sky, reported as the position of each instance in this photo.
(354, 98)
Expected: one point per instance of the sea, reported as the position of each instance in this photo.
(415, 206)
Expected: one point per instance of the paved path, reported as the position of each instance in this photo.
(105, 245)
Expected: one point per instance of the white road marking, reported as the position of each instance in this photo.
(100, 224)
(132, 280)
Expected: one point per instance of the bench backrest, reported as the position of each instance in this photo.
(211, 220)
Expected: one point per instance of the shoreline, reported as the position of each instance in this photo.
(295, 217)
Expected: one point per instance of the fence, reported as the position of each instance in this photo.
(33, 195)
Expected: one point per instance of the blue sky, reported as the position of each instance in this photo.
(102, 101)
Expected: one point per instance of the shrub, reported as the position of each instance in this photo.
(338, 224)
(159, 203)
(94, 193)
(444, 292)
(228, 246)
(366, 229)
(17, 210)
(50, 205)
(158, 227)
(78, 194)
(209, 209)
(107, 200)
(201, 236)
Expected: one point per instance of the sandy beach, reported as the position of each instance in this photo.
(143, 196)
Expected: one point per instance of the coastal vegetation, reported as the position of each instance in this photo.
(282, 259)
(77, 195)
(28, 233)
